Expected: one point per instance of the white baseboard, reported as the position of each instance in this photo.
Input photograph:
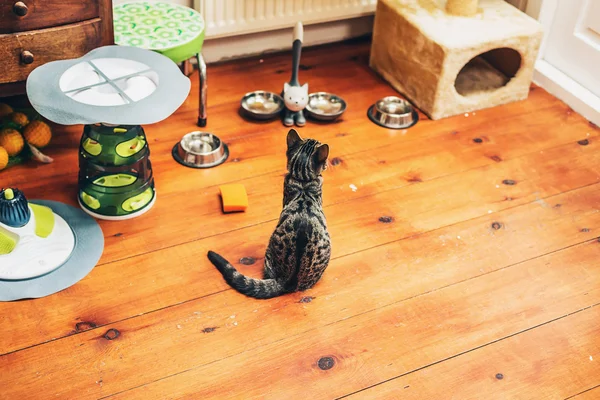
(233, 47)
(562, 86)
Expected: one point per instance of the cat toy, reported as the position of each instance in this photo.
(26, 238)
(112, 91)
(45, 246)
(295, 96)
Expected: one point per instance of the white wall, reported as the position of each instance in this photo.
(532, 6)
(223, 48)
(182, 2)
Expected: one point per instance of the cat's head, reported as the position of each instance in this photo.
(295, 97)
(306, 158)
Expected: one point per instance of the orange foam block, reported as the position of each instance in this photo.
(234, 197)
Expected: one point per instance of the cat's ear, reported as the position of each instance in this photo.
(293, 138)
(305, 87)
(322, 153)
(286, 87)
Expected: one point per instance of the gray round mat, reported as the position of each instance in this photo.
(89, 244)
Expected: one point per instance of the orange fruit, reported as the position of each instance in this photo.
(38, 134)
(12, 141)
(19, 118)
(5, 110)
(3, 158)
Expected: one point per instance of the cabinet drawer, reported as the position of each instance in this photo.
(26, 15)
(45, 45)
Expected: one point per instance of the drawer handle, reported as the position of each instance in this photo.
(26, 57)
(20, 9)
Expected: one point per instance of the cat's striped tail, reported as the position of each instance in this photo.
(257, 288)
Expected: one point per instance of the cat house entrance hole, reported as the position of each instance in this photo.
(488, 71)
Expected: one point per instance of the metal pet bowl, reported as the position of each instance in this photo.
(262, 105)
(393, 112)
(200, 150)
(325, 106)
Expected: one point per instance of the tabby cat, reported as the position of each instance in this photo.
(300, 248)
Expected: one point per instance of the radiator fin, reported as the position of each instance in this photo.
(237, 17)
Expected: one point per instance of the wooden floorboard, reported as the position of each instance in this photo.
(388, 341)
(552, 361)
(469, 267)
(400, 204)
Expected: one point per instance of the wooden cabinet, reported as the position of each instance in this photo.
(34, 32)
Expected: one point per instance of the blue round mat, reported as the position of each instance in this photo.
(89, 245)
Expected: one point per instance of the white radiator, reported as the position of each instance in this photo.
(237, 17)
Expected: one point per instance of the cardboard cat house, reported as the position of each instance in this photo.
(455, 56)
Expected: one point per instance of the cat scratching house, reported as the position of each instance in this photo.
(455, 56)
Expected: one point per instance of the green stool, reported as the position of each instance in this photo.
(174, 31)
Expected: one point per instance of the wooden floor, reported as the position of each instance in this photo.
(466, 260)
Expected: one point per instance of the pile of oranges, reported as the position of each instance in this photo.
(17, 131)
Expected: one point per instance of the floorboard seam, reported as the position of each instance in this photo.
(113, 322)
(585, 391)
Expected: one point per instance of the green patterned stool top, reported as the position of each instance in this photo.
(172, 30)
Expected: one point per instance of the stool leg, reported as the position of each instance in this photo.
(187, 68)
(203, 91)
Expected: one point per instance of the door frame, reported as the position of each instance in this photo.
(551, 78)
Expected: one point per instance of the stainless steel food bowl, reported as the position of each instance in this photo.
(262, 105)
(393, 112)
(325, 106)
(200, 150)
